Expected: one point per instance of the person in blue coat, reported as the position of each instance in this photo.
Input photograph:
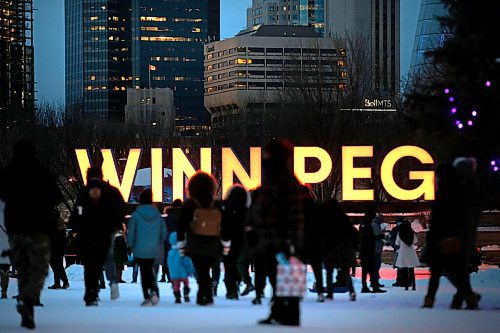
(146, 233)
(180, 269)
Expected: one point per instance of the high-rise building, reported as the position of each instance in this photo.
(115, 44)
(377, 21)
(168, 38)
(246, 76)
(292, 12)
(430, 34)
(17, 75)
(98, 67)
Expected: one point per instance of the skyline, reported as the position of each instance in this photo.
(49, 40)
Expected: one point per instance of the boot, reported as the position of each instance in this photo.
(54, 286)
(65, 285)
(472, 301)
(320, 298)
(365, 290)
(456, 302)
(215, 286)
(25, 309)
(352, 296)
(4, 283)
(428, 302)
(115, 292)
(186, 291)
(177, 295)
(248, 289)
(257, 301)
(377, 290)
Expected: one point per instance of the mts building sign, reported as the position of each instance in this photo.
(250, 178)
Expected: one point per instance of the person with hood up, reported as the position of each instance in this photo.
(180, 269)
(407, 258)
(201, 233)
(235, 208)
(171, 221)
(275, 226)
(98, 212)
(29, 227)
(146, 234)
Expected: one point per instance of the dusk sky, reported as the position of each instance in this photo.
(49, 40)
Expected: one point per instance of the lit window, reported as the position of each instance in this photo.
(195, 30)
(241, 61)
(343, 74)
(89, 87)
(92, 78)
(94, 18)
(154, 18)
(167, 39)
(341, 63)
(179, 78)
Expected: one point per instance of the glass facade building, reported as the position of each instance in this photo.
(168, 38)
(115, 44)
(98, 58)
(429, 34)
(288, 12)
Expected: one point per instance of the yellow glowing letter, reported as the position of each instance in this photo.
(299, 164)
(157, 174)
(82, 157)
(349, 173)
(110, 172)
(386, 173)
(231, 165)
(181, 166)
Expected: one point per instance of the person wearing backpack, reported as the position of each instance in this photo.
(146, 233)
(201, 234)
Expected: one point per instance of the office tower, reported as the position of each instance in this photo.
(17, 91)
(292, 12)
(429, 35)
(246, 76)
(377, 21)
(168, 38)
(98, 70)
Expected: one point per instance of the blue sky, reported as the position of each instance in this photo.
(49, 39)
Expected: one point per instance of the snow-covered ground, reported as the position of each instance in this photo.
(396, 311)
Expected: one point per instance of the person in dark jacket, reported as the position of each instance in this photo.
(201, 233)
(57, 242)
(171, 221)
(314, 242)
(400, 282)
(120, 252)
(99, 211)
(344, 245)
(367, 253)
(275, 225)
(29, 227)
(235, 208)
(445, 240)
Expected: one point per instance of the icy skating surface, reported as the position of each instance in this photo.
(396, 311)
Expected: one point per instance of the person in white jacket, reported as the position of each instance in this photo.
(407, 256)
(4, 257)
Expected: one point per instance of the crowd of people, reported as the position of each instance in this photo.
(278, 221)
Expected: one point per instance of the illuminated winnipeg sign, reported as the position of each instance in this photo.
(251, 179)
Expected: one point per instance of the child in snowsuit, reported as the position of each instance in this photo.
(180, 269)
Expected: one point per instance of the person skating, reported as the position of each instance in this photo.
(29, 227)
(235, 208)
(393, 235)
(180, 269)
(4, 254)
(201, 233)
(171, 220)
(345, 243)
(275, 225)
(98, 213)
(120, 253)
(367, 253)
(146, 234)
(57, 242)
(378, 227)
(407, 258)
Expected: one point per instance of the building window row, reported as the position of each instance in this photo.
(169, 39)
(276, 51)
(276, 85)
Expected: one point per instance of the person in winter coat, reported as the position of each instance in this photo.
(407, 258)
(99, 211)
(172, 220)
(146, 233)
(120, 253)
(180, 269)
(201, 233)
(367, 253)
(235, 208)
(4, 254)
(275, 224)
(393, 236)
(57, 244)
(314, 242)
(343, 252)
(29, 226)
(378, 231)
